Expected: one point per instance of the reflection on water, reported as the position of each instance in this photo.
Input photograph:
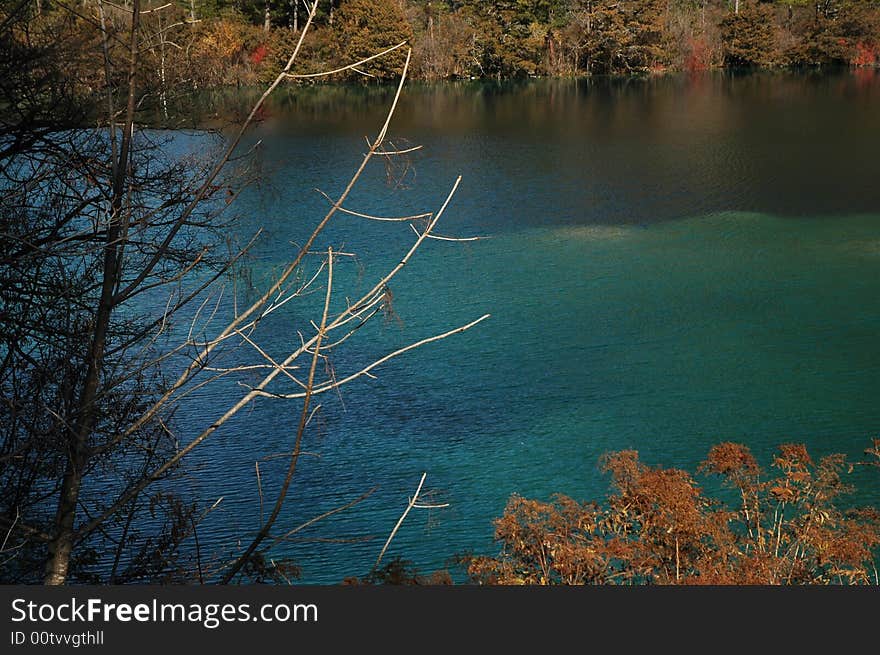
(673, 262)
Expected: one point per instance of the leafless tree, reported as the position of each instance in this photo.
(101, 227)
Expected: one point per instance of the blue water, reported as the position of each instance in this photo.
(670, 264)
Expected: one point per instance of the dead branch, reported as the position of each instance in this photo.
(349, 66)
(294, 457)
(413, 502)
(378, 362)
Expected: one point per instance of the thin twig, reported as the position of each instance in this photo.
(348, 67)
(259, 489)
(314, 520)
(413, 502)
(294, 457)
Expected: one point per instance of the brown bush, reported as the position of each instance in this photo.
(658, 527)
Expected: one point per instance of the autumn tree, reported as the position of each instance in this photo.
(748, 37)
(658, 526)
(624, 37)
(835, 32)
(365, 27)
(507, 37)
(442, 40)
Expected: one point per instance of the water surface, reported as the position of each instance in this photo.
(672, 263)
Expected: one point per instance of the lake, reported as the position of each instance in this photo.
(670, 263)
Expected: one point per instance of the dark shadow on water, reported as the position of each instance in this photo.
(609, 150)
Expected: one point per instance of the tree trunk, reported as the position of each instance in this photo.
(163, 93)
(62, 543)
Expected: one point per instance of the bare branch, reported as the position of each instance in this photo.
(259, 489)
(349, 66)
(294, 457)
(413, 502)
(413, 217)
(9, 531)
(314, 520)
(388, 153)
(378, 362)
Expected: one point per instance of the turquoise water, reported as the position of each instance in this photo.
(635, 304)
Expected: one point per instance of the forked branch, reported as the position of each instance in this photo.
(413, 502)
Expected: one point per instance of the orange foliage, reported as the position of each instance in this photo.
(700, 56)
(865, 55)
(658, 527)
(222, 40)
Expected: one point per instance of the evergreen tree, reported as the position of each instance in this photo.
(749, 37)
(366, 27)
(625, 36)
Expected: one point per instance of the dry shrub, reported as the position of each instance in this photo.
(659, 527)
(222, 52)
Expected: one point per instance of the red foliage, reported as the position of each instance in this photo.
(700, 56)
(866, 54)
(259, 54)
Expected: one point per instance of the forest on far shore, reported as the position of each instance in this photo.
(242, 42)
